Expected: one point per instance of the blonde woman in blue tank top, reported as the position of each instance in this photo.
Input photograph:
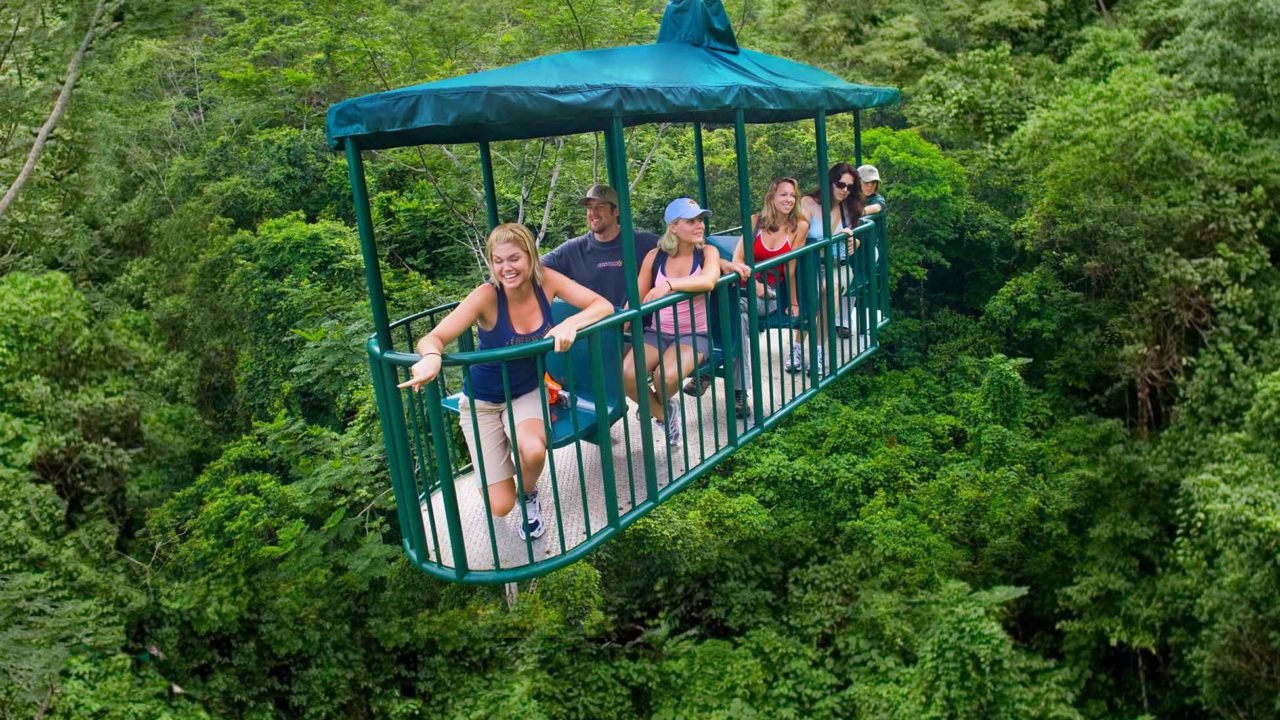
(512, 307)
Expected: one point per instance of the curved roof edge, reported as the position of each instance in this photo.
(583, 91)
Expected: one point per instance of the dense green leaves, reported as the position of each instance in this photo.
(1051, 495)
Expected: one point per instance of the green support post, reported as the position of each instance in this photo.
(398, 460)
(368, 248)
(748, 252)
(615, 145)
(828, 258)
(379, 395)
(698, 160)
(857, 138)
(490, 195)
(820, 130)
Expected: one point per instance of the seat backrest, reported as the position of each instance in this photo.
(580, 357)
(726, 244)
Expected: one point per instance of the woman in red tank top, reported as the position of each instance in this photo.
(778, 228)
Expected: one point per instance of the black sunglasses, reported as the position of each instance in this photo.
(842, 185)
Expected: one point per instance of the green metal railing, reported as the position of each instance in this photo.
(609, 472)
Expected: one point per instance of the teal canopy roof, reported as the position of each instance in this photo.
(695, 72)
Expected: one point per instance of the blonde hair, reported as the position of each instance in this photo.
(770, 218)
(518, 235)
(670, 244)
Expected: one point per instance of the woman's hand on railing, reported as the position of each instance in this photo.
(564, 334)
(733, 266)
(422, 372)
(658, 291)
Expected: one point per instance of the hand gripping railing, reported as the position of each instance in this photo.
(594, 484)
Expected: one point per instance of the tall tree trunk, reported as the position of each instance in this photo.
(59, 108)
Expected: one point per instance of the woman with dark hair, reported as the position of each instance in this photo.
(844, 210)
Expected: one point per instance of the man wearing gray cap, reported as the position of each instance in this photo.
(595, 259)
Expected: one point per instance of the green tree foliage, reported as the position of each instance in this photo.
(1051, 495)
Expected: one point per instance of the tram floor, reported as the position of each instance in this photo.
(573, 506)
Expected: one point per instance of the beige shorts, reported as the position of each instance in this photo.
(495, 440)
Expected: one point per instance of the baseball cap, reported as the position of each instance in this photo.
(683, 209)
(601, 193)
(868, 173)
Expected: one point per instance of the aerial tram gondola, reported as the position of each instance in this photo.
(606, 472)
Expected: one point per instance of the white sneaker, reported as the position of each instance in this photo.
(670, 428)
(532, 526)
(822, 361)
(796, 362)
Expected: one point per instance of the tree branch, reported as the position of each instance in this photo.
(582, 39)
(59, 108)
(551, 190)
(17, 23)
(662, 128)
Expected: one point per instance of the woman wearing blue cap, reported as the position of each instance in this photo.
(679, 341)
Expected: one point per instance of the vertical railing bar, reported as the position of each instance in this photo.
(842, 273)
(577, 449)
(882, 241)
(541, 369)
(379, 392)
(872, 299)
(748, 253)
(515, 451)
(829, 282)
(426, 462)
(626, 439)
(693, 335)
(400, 457)
(722, 294)
(448, 493)
(768, 341)
(602, 431)
(684, 425)
(478, 466)
(660, 388)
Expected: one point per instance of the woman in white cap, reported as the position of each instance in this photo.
(679, 341)
(869, 189)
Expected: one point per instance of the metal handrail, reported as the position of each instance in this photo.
(615, 319)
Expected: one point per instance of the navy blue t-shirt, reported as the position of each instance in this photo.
(598, 265)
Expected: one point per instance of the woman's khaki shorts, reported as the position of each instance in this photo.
(495, 441)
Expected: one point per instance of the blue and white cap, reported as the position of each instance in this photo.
(683, 209)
